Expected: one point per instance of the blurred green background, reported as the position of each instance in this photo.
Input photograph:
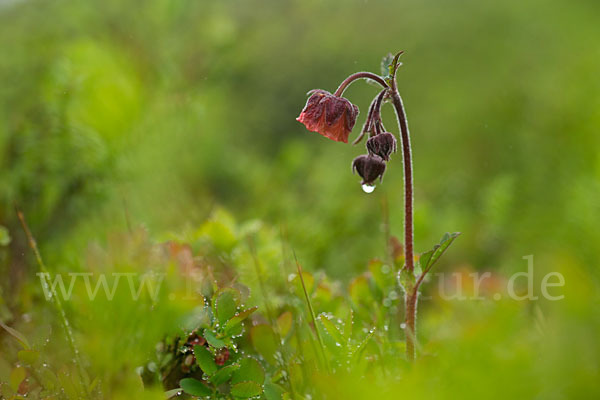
(156, 113)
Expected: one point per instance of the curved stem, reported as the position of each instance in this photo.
(377, 111)
(359, 75)
(411, 297)
(367, 126)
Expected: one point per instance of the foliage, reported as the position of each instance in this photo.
(158, 138)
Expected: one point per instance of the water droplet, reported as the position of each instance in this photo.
(368, 188)
(403, 326)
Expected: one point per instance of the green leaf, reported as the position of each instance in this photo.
(205, 360)
(264, 342)
(361, 346)
(4, 236)
(237, 319)
(224, 374)
(332, 330)
(348, 325)
(172, 393)
(226, 303)
(407, 280)
(28, 356)
(67, 384)
(382, 274)
(249, 370)
(273, 391)
(17, 375)
(309, 282)
(284, 323)
(386, 62)
(360, 293)
(246, 390)
(195, 387)
(429, 258)
(17, 335)
(212, 339)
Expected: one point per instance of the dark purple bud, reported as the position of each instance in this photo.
(369, 167)
(382, 145)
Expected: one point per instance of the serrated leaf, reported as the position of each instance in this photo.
(429, 258)
(226, 302)
(237, 319)
(224, 374)
(332, 330)
(245, 390)
(386, 62)
(205, 360)
(212, 339)
(195, 387)
(249, 370)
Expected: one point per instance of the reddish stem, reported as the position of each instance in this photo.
(411, 297)
(359, 75)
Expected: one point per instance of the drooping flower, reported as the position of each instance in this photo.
(382, 145)
(369, 167)
(329, 115)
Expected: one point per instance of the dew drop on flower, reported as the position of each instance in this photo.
(368, 188)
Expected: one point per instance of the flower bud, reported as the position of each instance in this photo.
(369, 167)
(222, 356)
(382, 145)
(329, 115)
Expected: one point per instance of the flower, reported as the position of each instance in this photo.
(329, 115)
(382, 145)
(369, 167)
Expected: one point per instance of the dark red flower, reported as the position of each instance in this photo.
(382, 145)
(329, 115)
(369, 167)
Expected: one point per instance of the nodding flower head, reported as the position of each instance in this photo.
(329, 115)
(369, 167)
(382, 145)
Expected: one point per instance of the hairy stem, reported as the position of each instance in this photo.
(411, 297)
(411, 323)
(359, 75)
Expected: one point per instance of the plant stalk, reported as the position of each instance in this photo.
(411, 296)
(359, 75)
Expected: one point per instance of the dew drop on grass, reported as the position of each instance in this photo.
(368, 188)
